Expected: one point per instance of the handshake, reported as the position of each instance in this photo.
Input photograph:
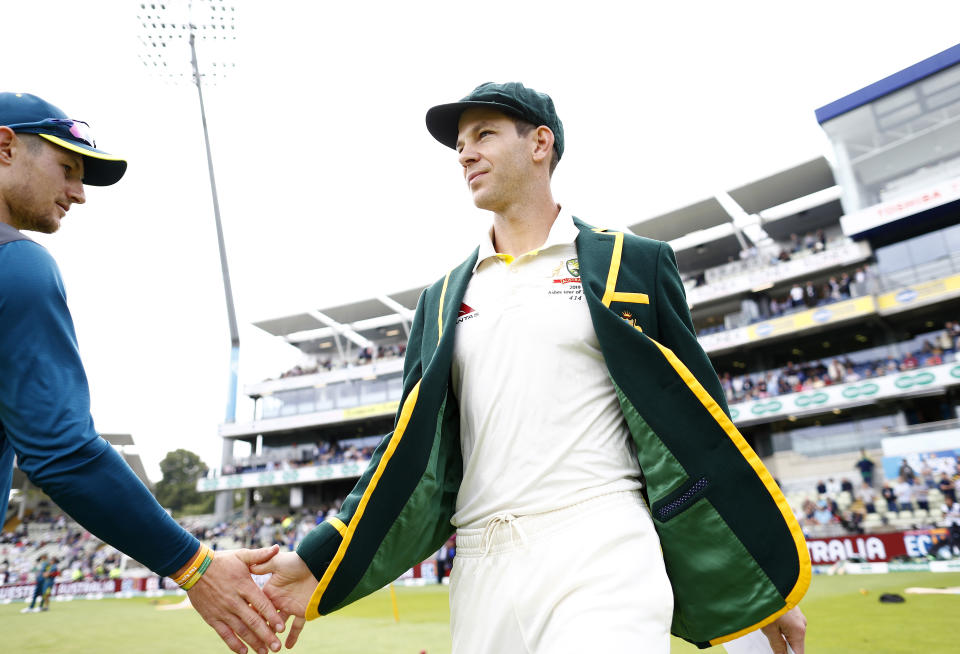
(229, 601)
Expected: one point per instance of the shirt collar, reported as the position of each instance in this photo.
(562, 232)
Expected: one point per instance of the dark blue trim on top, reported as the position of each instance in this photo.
(894, 82)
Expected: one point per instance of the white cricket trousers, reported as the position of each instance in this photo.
(585, 579)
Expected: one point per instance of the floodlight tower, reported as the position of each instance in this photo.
(165, 26)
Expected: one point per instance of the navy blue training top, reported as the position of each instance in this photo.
(45, 418)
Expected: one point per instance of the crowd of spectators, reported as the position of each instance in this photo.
(299, 456)
(262, 529)
(82, 556)
(801, 296)
(363, 357)
(754, 257)
(839, 502)
(794, 378)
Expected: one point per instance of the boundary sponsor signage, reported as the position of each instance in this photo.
(842, 395)
(875, 548)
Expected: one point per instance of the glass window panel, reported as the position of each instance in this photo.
(288, 402)
(347, 395)
(941, 80)
(926, 248)
(373, 392)
(951, 236)
(893, 258)
(325, 399)
(305, 400)
(395, 388)
(270, 407)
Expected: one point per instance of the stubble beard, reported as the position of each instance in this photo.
(27, 214)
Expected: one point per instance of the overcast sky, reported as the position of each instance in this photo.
(331, 189)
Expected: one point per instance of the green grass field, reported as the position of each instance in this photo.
(842, 620)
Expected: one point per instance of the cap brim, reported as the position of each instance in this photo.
(99, 168)
(443, 121)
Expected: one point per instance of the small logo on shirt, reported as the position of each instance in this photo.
(466, 312)
(628, 317)
(573, 267)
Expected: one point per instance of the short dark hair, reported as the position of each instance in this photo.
(524, 128)
(32, 140)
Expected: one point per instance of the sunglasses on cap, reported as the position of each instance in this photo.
(65, 128)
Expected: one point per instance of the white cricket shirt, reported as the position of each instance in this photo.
(540, 425)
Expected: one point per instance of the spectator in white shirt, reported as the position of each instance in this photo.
(904, 491)
(867, 494)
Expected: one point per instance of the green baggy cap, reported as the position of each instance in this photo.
(512, 98)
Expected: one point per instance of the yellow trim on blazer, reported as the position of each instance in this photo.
(443, 294)
(803, 581)
(402, 423)
(614, 268)
(338, 524)
(636, 298)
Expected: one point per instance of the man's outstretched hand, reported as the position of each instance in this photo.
(289, 588)
(790, 628)
(230, 602)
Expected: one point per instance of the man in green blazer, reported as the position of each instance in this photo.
(559, 413)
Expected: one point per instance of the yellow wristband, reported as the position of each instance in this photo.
(195, 563)
(199, 573)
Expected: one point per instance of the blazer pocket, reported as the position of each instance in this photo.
(679, 500)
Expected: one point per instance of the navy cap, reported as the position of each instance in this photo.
(27, 114)
(512, 98)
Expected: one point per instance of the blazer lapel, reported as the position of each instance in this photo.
(599, 253)
(444, 321)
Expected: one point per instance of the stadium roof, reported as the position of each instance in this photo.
(900, 79)
(371, 320)
(799, 199)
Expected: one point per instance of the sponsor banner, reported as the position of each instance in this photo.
(906, 205)
(917, 295)
(764, 276)
(945, 566)
(790, 324)
(842, 395)
(371, 410)
(72, 589)
(876, 548)
(306, 474)
(922, 566)
(872, 548)
(825, 315)
(852, 568)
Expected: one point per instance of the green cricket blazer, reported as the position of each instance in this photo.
(734, 552)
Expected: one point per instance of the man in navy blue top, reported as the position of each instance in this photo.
(46, 158)
(40, 574)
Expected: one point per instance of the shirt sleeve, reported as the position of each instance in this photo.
(45, 417)
(676, 326)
